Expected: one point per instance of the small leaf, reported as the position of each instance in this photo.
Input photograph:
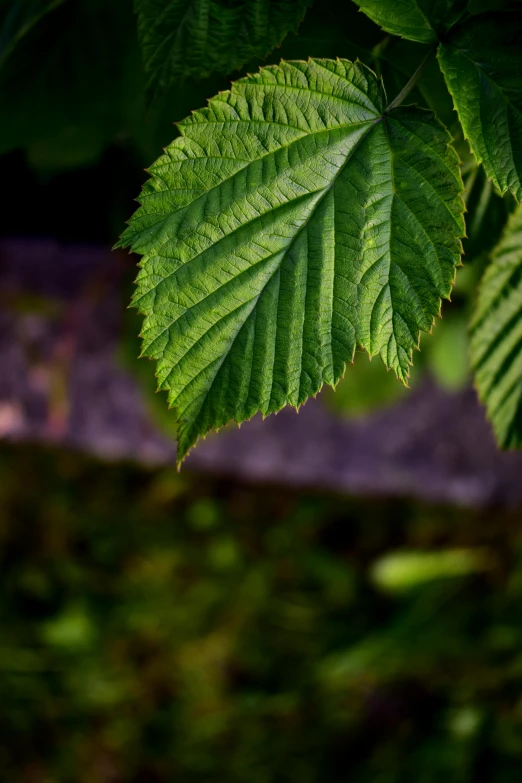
(417, 20)
(293, 219)
(194, 38)
(496, 341)
(482, 64)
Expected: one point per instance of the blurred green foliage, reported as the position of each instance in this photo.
(163, 628)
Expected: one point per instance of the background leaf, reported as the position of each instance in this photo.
(184, 38)
(417, 20)
(496, 344)
(482, 64)
(82, 94)
(291, 221)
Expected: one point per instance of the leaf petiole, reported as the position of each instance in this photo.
(408, 87)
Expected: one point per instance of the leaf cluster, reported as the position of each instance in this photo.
(307, 212)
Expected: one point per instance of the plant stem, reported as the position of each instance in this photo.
(408, 87)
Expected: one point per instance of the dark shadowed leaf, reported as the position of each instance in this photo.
(482, 63)
(417, 20)
(17, 19)
(496, 345)
(77, 99)
(194, 38)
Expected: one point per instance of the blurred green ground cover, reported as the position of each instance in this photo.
(165, 628)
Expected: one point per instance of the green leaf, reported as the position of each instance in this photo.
(292, 220)
(482, 64)
(496, 340)
(417, 20)
(194, 38)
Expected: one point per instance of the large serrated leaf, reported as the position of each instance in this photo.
(194, 38)
(482, 64)
(496, 342)
(293, 219)
(417, 20)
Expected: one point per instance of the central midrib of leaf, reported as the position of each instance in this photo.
(304, 135)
